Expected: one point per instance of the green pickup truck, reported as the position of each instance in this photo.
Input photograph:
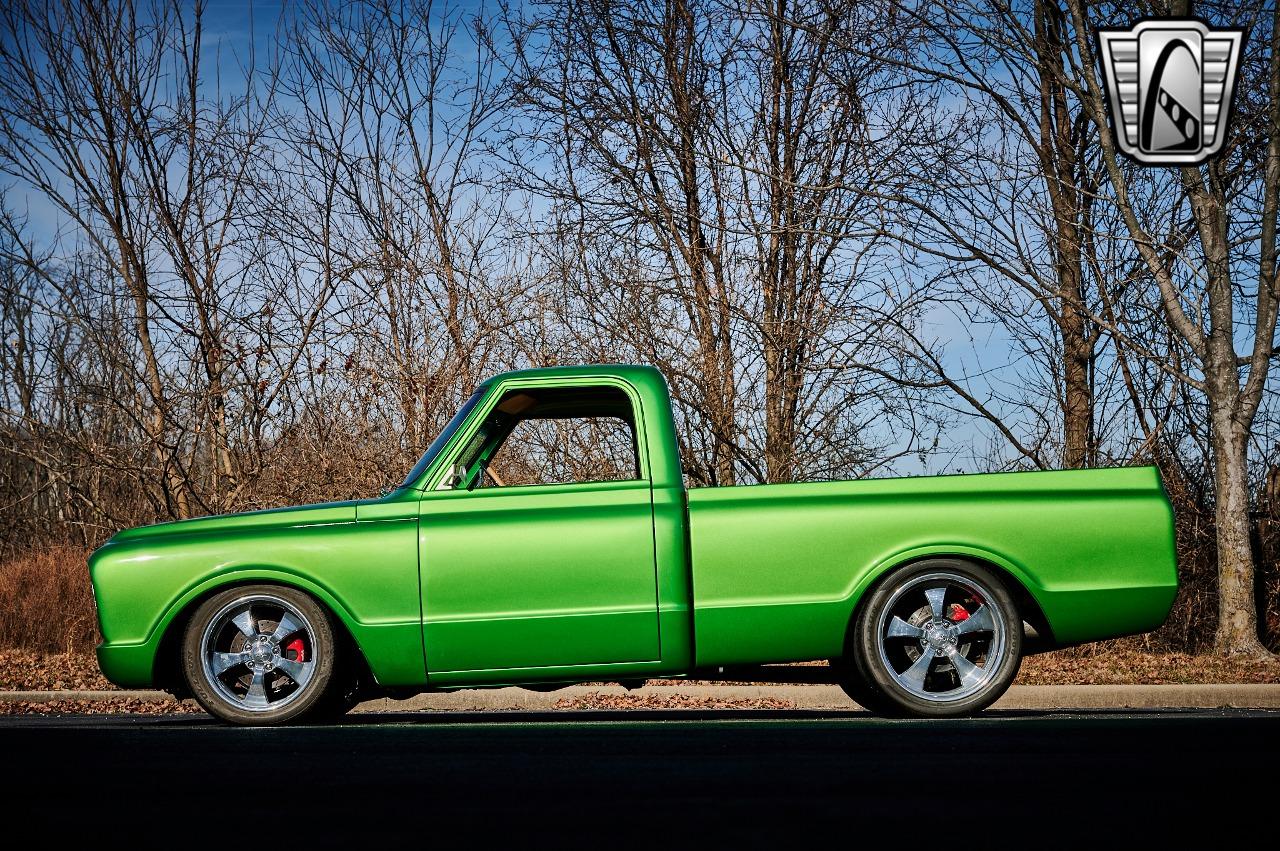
(546, 537)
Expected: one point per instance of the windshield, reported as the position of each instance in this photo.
(436, 445)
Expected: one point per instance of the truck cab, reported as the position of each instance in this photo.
(553, 522)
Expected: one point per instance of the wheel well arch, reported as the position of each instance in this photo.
(167, 670)
(1028, 606)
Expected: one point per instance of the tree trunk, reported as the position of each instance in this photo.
(1231, 416)
(711, 300)
(1232, 408)
(1237, 632)
(1058, 157)
(778, 265)
(1077, 388)
(157, 424)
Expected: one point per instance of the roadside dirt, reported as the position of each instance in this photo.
(29, 670)
(35, 671)
(598, 700)
(99, 707)
(1120, 667)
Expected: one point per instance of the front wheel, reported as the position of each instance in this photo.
(259, 655)
(939, 638)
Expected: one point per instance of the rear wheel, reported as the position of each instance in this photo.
(938, 638)
(259, 655)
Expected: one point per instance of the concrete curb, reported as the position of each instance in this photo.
(1204, 696)
(7, 696)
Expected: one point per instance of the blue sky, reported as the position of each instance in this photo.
(234, 30)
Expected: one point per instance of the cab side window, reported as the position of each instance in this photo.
(563, 451)
(560, 436)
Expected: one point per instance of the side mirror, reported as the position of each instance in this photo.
(455, 478)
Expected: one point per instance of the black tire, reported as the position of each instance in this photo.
(346, 692)
(888, 646)
(335, 705)
(860, 689)
(258, 690)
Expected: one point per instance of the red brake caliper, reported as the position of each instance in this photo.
(300, 650)
(958, 613)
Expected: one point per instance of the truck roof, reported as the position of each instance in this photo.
(651, 387)
(638, 374)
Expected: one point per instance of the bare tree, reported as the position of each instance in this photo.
(621, 94)
(1001, 209)
(59, 63)
(1234, 201)
(108, 114)
(712, 165)
(217, 269)
(394, 105)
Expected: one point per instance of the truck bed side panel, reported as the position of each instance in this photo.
(778, 569)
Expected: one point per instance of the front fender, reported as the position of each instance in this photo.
(133, 663)
(250, 576)
(366, 574)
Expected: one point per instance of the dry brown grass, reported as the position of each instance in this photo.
(31, 670)
(115, 706)
(1112, 663)
(46, 603)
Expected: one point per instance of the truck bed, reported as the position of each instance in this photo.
(777, 569)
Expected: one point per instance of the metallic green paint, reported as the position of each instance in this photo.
(145, 578)
(530, 577)
(777, 569)
(618, 580)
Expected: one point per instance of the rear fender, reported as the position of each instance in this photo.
(1016, 572)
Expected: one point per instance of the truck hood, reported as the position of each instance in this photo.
(302, 515)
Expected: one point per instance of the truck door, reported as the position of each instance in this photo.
(537, 550)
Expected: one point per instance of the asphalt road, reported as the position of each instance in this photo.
(654, 779)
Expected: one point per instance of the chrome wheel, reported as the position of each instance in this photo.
(942, 637)
(258, 653)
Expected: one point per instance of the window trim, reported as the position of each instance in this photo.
(449, 455)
